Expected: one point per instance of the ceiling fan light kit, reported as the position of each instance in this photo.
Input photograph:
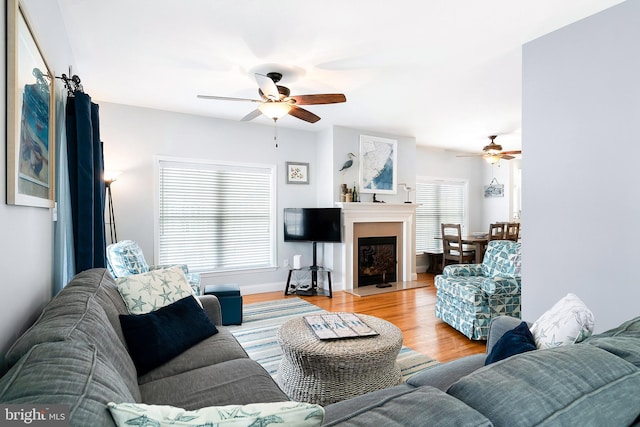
(275, 110)
(492, 159)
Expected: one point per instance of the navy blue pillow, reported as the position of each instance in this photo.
(517, 340)
(157, 337)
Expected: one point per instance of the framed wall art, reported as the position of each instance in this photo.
(378, 172)
(30, 101)
(494, 189)
(297, 173)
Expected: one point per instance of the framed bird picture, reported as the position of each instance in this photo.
(297, 173)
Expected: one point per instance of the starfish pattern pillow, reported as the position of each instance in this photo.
(569, 321)
(254, 414)
(146, 292)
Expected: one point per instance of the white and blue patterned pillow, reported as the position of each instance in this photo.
(253, 414)
(146, 292)
(569, 321)
(125, 258)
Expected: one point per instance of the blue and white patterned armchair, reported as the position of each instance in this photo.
(125, 258)
(468, 296)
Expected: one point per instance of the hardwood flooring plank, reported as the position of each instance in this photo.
(411, 310)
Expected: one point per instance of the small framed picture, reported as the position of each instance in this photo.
(494, 190)
(297, 173)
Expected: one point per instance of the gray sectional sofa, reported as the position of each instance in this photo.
(76, 354)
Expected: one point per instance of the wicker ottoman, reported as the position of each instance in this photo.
(327, 371)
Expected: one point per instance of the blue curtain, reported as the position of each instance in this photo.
(63, 255)
(86, 169)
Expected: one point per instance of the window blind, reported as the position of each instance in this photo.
(216, 217)
(440, 202)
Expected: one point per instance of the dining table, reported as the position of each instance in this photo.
(479, 244)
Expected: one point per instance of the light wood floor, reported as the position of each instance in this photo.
(412, 310)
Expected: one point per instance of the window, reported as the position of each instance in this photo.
(441, 201)
(216, 216)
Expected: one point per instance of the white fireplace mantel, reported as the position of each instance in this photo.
(359, 212)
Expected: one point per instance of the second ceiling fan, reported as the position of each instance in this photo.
(276, 101)
(493, 152)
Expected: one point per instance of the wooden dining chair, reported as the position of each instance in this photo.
(452, 249)
(497, 231)
(512, 231)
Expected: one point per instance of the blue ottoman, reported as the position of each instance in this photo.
(230, 302)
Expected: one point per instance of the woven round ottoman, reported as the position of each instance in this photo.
(327, 371)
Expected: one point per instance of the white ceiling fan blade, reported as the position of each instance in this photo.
(226, 98)
(268, 87)
(252, 115)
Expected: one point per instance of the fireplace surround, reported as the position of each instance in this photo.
(376, 219)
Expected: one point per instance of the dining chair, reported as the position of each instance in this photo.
(497, 231)
(512, 231)
(452, 248)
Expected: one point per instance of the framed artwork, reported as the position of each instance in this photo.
(494, 189)
(30, 101)
(378, 171)
(297, 173)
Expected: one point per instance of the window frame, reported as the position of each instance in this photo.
(465, 200)
(273, 243)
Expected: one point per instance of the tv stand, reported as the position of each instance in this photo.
(314, 269)
(314, 266)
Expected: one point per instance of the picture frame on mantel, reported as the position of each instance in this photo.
(30, 113)
(378, 170)
(297, 173)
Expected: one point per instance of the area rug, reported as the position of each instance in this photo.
(257, 335)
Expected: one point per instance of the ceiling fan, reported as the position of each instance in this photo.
(276, 101)
(493, 152)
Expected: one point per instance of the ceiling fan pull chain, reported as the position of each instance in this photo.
(275, 132)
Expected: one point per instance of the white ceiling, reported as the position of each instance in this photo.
(446, 72)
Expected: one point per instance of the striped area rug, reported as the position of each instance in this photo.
(257, 335)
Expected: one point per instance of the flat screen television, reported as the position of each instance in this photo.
(312, 225)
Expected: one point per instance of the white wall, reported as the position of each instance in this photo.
(132, 136)
(27, 233)
(581, 96)
(431, 162)
(439, 163)
(347, 140)
(497, 209)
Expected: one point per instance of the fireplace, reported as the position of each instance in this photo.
(377, 260)
(375, 220)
